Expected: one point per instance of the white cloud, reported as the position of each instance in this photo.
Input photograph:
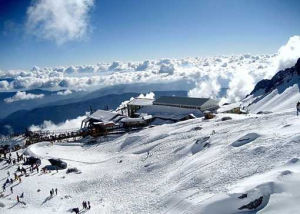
(65, 92)
(167, 68)
(288, 54)
(241, 84)
(59, 20)
(20, 95)
(149, 95)
(67, 125)
(143, 66)
(206, 88)
(4, 85)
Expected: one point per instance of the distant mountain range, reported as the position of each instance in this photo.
(53, 98)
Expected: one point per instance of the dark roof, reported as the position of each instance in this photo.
(185, 101)
(169, 112)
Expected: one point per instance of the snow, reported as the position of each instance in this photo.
(128, 120)
(141, 101)
(169, 112)
(276, 101)
(228, 107)
(171, 168)
(104, 116)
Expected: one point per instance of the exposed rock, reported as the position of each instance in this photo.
(293, 161)
(264, 112)
(280, 77)
(286, 172)
(226, 118)
(243, 196)
(253, 204)
(72, 170)
(198, 128)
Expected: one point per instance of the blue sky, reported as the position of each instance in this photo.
(129, 30)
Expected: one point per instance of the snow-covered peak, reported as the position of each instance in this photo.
(279, 93)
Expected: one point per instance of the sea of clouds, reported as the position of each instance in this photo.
(238, 73)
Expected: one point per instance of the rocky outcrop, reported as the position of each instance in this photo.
(266, 86)
(253, 204)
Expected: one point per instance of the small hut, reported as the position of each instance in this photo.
(100, 122)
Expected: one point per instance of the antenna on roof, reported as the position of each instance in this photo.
(91, 110)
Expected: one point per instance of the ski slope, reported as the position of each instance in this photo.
(193, 166)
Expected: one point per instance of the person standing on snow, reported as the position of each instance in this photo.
(298, 108)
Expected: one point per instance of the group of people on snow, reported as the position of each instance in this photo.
(86, 205)
(52, 192)
(19, 172)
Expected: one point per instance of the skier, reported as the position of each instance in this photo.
(55, 191)
(11, 190)
(298, 108)
(22, 195)
(18, 199)
(89, 205)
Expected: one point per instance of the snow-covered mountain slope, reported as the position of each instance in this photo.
(277, 94)
(195, 166)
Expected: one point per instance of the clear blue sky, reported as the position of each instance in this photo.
(146, 29)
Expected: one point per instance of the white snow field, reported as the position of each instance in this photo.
(195, 166)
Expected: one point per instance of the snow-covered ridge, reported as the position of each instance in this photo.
(279, 93)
